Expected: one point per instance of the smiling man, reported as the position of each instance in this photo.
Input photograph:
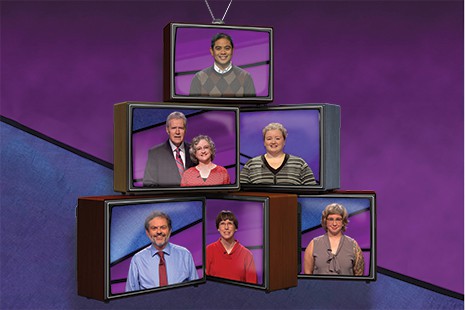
(227, 258)
(223, 79)
(162, 263)
(167, 161)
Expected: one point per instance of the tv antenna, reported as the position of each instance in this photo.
(217, 20)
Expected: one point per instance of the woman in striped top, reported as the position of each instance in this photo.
(276, 167)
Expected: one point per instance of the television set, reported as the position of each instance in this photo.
(361, 227)
(144, 161)
(110, 231)
(313, 135)
(188, 64)
(262, 218)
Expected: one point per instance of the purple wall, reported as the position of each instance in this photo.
(395, 68)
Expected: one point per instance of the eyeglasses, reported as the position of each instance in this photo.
(222, 223)
(199, 148)
(332, 219)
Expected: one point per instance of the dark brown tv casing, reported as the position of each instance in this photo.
(281, 247)
(120, 148)
(91, 250)
(90, 216)
(280, 273)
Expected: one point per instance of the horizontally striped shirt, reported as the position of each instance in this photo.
(294, 171)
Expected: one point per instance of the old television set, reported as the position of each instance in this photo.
(313, 135)
(361, 226)
(262, 219)
(187, 52)
(110, 230)
(140, 127)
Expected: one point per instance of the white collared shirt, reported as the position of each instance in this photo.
(181, 151)
(221, 71)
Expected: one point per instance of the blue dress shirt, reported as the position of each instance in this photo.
(143, 271)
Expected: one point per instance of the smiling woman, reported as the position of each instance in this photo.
(334, 253)
(202, 152)
(276, 167)
(227, 258)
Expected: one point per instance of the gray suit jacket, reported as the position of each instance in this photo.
(161, 168)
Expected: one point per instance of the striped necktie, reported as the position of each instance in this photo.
(179, 162)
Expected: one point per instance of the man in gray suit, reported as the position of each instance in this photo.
(167, 161)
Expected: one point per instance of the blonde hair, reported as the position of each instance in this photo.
(274, 126)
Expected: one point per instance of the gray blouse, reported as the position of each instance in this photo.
(341, 263)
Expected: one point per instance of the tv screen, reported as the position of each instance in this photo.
(125, 248)
(250, 215)
(354, 256)
(244, 239)
(145, 156)
(312, 145)
(218, 63)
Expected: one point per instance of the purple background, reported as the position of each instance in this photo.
(303, 129)
(360, 226)
(220, 126)
(127, 233)
(395, 68)
(357, 231)
(186, 238)
(193, 54)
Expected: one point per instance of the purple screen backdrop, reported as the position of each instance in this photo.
(359, 233)
(303, 127)
(192, 54)
(250, 215)
(360, 226)
(218, 125)
(119, 271)
(394, 67)
(127, 234)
